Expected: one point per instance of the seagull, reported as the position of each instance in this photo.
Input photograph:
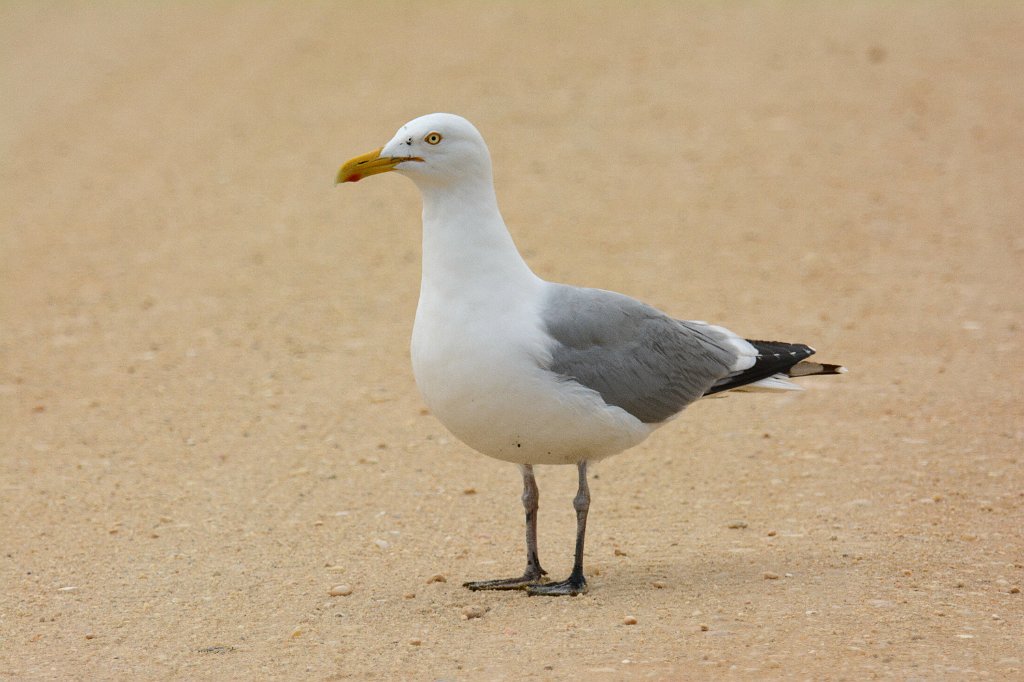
(534, 372)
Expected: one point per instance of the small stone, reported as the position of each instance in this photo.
(768, 575)
(619, 552)
(704, 628)
(772, 533)
(415, 641)
(629, 620)
(737, 524)
(90, 636)
(473, 611)
(1014, 590)
(658, 584)
(340, 591)
(437, 578)
(409, 595)
(469, 491)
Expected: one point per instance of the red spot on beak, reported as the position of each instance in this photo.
(355, 177)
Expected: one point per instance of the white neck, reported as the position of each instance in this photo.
(465, 241)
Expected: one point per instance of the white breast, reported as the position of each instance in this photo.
(480, 368)
(479, 348)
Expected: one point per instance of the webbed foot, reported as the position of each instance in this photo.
(575, 584)
(531, 578)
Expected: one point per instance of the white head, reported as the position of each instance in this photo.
(432, 150)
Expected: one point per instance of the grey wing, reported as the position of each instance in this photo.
(635, 356)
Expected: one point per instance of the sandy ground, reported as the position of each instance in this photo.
(207, 413)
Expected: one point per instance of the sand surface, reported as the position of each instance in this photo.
(207, 415)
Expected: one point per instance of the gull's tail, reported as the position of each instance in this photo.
(776, 363)
(810, 369)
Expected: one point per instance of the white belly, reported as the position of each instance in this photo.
(482, 376)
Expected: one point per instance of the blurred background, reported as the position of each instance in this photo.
(207, 417)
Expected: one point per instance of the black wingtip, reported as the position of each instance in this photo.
(773, 357)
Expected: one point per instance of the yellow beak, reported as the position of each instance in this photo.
(370, 163)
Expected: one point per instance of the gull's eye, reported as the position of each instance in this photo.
(432, 138)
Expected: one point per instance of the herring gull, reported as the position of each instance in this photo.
(534, 372)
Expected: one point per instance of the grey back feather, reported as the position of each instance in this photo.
(635, 356)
